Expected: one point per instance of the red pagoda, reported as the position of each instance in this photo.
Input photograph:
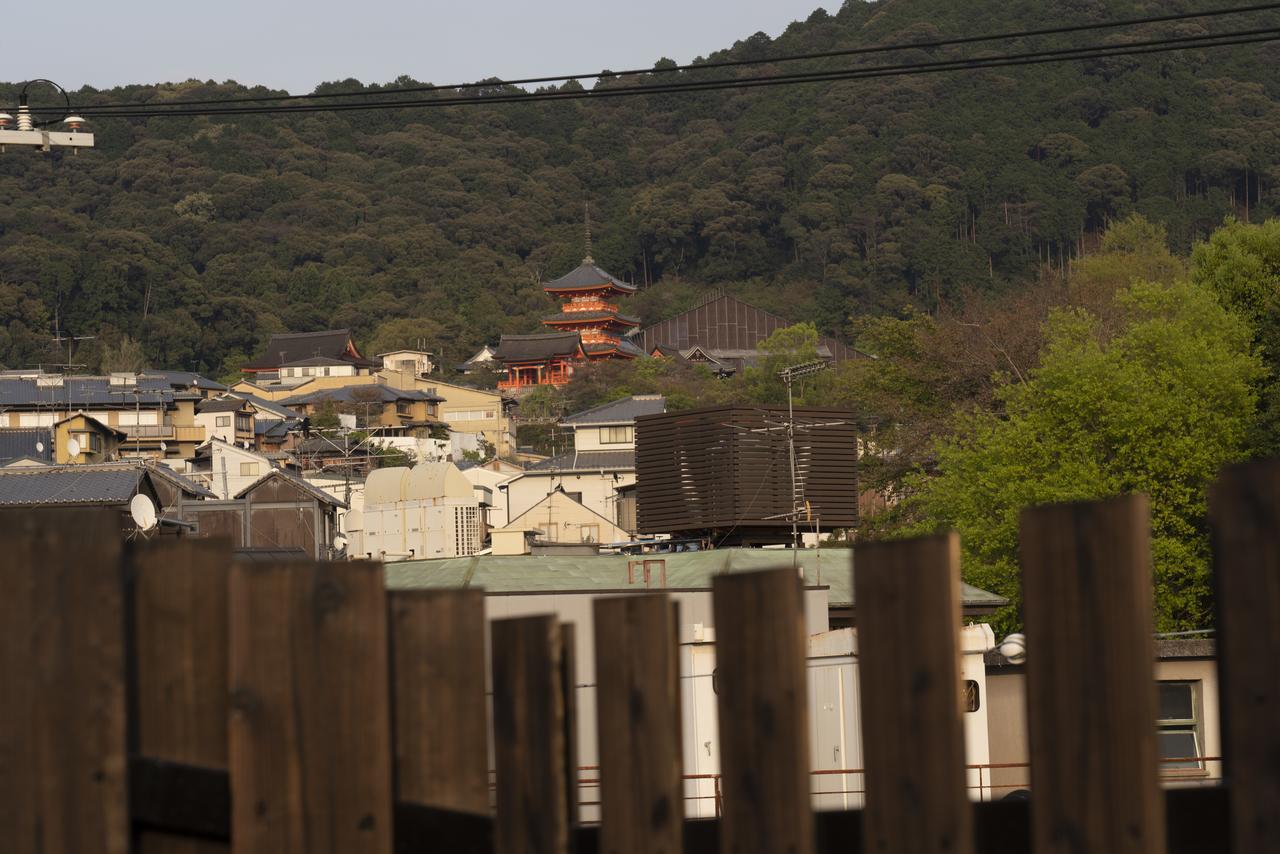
(587, 327)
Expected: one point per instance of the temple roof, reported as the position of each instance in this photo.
(589, 316)
(536, 348)
(289, 347)
(587, 276)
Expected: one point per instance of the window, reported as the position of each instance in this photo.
(404, 407)
(223, 421)
(244, 423)
(1179, 726)
(590, 533)
(308, 372)
(89, 442)
(248, 469)
(326, 372)
(616, 435)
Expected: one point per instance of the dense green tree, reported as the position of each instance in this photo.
(1157, 407)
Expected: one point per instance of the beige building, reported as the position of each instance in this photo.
(1190, 732)
(81, 439)
(557, 518)
(229, 419)
(466, 410)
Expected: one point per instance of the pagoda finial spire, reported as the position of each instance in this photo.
(588, 259)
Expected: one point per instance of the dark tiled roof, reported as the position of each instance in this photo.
(270, 407)
(587, 461)
(585, 276)
(315, 360)
(19, 442)
(368, 393)
(187, 379)
(288, 347)
(318, 494)
(533, 348)
(586, 316)
(227, 404)
(62, 485)
(624, 411)
(184, 483)
(86, 392)
(277, 429)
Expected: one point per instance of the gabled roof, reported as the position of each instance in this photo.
(624, 411)
(587, 276)
(536, 348)
(287, 347)
(107, 484)
(19, 442)
(106, 428)
(222, 404)
(269, 407)
(541, 506)
(584, 461)
(297, 482)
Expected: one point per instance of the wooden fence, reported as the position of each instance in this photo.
(161, 698)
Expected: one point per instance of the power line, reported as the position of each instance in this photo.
(1230, 39)
(732, 63)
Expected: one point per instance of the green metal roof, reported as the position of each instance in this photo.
(832, 568)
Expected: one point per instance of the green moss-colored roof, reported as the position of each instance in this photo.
(832, 568)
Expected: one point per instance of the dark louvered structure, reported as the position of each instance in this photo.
(724, 472)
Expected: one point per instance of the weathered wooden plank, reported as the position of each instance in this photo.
(569, 723)
(764, 723)
(63, 750)
(1244, 511)
(529, 736)
(907, 596)
(310, 723)
(638, 724)
(180, 637)
(1091, 698)
(441, 729)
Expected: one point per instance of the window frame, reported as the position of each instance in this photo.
(222, 421)
(628, 433)
(1193, 725)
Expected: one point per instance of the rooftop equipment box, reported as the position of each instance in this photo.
(725, 472)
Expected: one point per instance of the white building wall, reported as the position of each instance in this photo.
(593, 439)
(599, 491)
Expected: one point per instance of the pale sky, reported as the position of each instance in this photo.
(294, 45)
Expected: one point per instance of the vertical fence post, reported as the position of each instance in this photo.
(1091, 696)
(638, 713)
(763, 714)
(63, 784)
(569, 723)
(441, 729)
(529, 736)
(180, 637)
(310, 723)
(907, 611)
(1245, 515)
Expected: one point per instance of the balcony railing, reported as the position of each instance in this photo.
(558, 378)
(163, 432)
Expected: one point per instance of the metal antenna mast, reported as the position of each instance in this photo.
(789, 375)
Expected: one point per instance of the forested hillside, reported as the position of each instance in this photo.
(198, 237)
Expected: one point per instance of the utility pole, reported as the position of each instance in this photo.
(790, 375)
(30, 133)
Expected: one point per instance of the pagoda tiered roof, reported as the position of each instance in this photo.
(588, 277)
(575, 317)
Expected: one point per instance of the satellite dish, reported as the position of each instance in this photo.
(163, 447)
(143, 512)
(73, 448)
(339, 543)
(39, 447)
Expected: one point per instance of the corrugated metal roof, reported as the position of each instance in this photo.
(624, 411)
(56, 485)
(587, 461)
(684, 570)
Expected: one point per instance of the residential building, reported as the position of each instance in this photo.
(487, 479)
(226, 469)
(333, 348)
(374, 405)
(557, 518)
(590, 312)
(277, 511)
(230, 419)
(82, 439)
(303, 370)
(156, 411)
(485, 359)
(413, 362)
(602, 461)
(474, 412)
(429, 510)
